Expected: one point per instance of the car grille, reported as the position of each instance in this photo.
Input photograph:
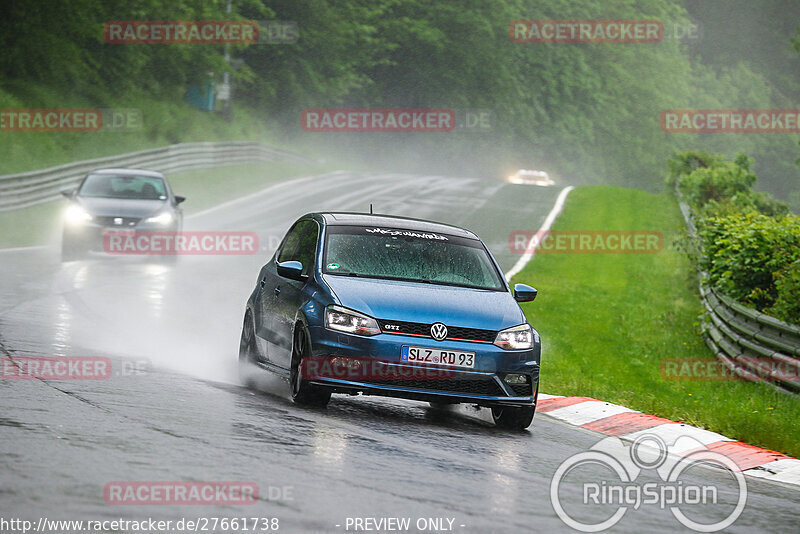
(520, 390)
(453, 332)
(487, 386)
(109, 221)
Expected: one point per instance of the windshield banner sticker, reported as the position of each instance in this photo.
(406, 233)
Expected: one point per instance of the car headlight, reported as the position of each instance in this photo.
(350, 321)
(76, 214)
(515, 338)
(161, 218)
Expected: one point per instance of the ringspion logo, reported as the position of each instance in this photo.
(609, 473)
(586, 31)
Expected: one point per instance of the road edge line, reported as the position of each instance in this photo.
(534, 243)
(261, 191)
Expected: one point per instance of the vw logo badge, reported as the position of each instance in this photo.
(438, 331)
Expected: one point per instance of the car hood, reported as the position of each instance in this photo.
(121, 207)
(427, 303)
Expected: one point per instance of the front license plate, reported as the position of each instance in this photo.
(124, 232)
(453, 358)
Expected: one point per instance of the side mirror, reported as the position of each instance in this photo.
(69, 193)
(179, 199)
(291, 269)
(524, 293)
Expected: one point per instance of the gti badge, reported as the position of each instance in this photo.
(438, 331)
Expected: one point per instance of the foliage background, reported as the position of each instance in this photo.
(587, 113)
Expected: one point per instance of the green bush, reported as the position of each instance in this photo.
(787, 305)
(715, 188)
(719, 182)
(753, 258)
(751, 244)
(744, 202)
(683, 163)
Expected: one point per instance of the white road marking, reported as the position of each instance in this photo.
(22, 249)
(548, 222)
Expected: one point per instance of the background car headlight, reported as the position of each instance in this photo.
(161, 218)
(352, 322)
(515, 338)
(76, 214)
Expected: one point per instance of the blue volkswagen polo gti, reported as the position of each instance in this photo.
(378, 305)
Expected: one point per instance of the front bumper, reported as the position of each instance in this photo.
(377, 369)
(93, 237)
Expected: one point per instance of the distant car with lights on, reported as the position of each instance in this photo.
(120, 200)
(378, 305)
(524, 176)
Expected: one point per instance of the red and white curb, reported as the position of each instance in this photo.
(627, 424)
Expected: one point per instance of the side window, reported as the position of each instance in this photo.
(301, 245)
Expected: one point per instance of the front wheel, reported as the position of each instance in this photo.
(303, 392)
(514, 418)
(71, 249)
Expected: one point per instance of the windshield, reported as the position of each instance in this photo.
(409, 255)
(124, 186)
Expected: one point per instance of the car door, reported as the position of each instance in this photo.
(266, 307)
(300, 245)
(263, 309)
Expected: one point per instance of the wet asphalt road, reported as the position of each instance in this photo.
(173, 410)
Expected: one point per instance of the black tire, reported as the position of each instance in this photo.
(513, 418)
(303, 392)
(70, 250)
(247, 351)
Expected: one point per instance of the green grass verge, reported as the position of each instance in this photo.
(608, 320)
(38, 225)
(163, 123)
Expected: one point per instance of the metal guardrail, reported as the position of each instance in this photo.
(753, 345)
(36, 187)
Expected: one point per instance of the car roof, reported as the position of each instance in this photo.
(341, 218)
(141, 172)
